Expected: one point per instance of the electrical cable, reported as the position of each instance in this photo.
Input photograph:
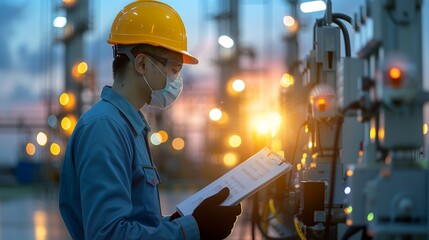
(298, 229)
(265, 212)
(351, 231)
(256, 221)
(294, 151)
(346, 36)
(273, 211)
(332, 177)
(342, 16)
(340, 118)
(335, 17)
(319, 142)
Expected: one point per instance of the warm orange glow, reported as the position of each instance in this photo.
(68, 124)
(230, 159)
(40, 225)
(67, 100)
(287, 80)
(321, 103)
(215, 114)
(262, 127)
(276, 144)
(178, 144)
(288, 21)
(425, 129)
(349, 222)
(30, 149)
(306, 129)
(313, 165)
(55, 149)
(164, 136)
(238, 85)
(69, 3)
(372, 133)
(395, 73)
(381, 134)
(79, 69)
(348, 210)
(268, 125)
(82, 67)
(298, 166)
(314, 156)
(234, 141)
(349, 173)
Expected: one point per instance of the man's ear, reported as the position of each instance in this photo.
(139, 63)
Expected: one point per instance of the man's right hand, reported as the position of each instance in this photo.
(216, 221)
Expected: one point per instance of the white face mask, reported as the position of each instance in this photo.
(163, 98)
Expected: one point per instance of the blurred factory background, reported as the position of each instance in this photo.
(55, 60)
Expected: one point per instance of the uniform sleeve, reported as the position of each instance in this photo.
(103, 164)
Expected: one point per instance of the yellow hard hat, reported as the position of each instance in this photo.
(151, 22)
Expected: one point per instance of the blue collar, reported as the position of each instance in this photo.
(136, 118)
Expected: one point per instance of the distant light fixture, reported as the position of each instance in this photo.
(234, 141)
(52, 121)
(288, 21)
(287, 80)
(156, 139)
(55, 149)
(60, 22)
(230, 159)
(238, 85)
(312, 6)
(42, 138)
(69, 3)
(215, 114)
(30, 149)
(178, 144)
(226, 41)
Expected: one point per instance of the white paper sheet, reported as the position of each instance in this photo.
(242, 181)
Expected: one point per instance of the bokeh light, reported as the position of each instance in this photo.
(55, 149)
(230, 159)
(178, 144)
(42, 138)
(234, 141)
(30, 149)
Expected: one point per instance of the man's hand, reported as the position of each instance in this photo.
(215, 221)
(174, 216)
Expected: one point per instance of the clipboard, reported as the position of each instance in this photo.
(244, 180)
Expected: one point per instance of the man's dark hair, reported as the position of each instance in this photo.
(118, 64)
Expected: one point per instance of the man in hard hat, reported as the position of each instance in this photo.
(109, 183)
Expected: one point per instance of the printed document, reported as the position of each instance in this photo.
(242, 181)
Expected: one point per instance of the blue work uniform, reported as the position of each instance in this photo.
(109, 185)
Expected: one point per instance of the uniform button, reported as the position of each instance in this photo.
(153, 181)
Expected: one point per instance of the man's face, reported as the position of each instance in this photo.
(169, 63)
(162, 66)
